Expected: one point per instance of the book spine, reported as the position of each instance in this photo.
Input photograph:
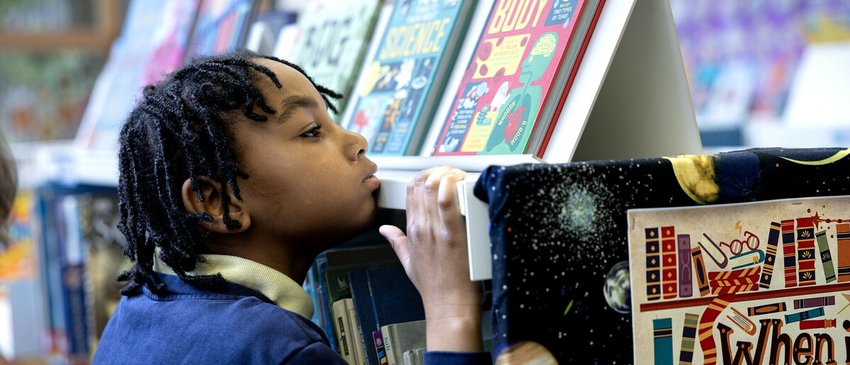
(668, 249)
(842, 232)
(746, 259)
(810, 324)
(686, 287)
(699, 268)
(388, 334)
(766, 309)
(789, 250)
(380, 349)
(806, 273)
(689, 333)
(653, 264)
(814, 302)
(735, 274)
(343, 331)
(770, 256)
(825, 256)
(663, 339)
(723, 290)
(355, 340)
(799, 316)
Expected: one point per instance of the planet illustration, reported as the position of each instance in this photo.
(617, 289)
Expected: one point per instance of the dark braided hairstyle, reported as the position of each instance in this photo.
(181, 129)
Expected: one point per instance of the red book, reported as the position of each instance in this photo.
(518, 77)
(806, 253)
(789, 251)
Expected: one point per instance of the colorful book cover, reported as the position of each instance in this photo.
(364, 306)
(221, 26)
(332, 41)
(405, 79)
(516, 77)
(789, 250)
(152, 43)
(770, 258)
(741, 322)
(668, 266)
(806, 274)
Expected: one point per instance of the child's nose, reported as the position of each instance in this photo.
(359, 145)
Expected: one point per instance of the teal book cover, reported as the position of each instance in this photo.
(406, 77)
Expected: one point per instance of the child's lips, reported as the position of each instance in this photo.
(371, 179)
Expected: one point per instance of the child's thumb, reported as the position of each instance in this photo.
(397, 240)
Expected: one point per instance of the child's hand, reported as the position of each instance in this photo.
(435, 257)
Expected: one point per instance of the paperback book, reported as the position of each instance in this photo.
(406, 76)
(518, 77)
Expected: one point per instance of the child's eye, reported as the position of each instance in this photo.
(313, 132)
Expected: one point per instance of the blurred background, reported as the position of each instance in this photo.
(762, 73)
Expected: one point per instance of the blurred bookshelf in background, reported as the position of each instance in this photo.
(767, 72)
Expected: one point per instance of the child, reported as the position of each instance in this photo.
(233, 177)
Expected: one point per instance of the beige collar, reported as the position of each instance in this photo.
(275, 285)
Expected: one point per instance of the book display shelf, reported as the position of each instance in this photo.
(628, 99)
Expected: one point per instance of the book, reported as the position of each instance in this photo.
(332, 41)
(356, 342)
(265, 29)
(740, 319)
(364, 305)
(405, 78)
(402, 337)
(152, 42)
(344, 332)
(414, 357)
(221, 26)
(518, 77)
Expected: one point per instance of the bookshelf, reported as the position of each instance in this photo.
(630, 99)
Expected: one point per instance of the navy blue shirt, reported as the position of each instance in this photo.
(235, 325)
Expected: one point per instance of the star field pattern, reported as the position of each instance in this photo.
(557, 230)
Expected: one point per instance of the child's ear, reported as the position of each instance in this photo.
(213, 205)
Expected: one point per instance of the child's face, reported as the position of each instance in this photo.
(309, 181)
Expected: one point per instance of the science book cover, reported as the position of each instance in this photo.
(406, 77)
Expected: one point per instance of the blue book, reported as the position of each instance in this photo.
(406, 77)
(363, 304)
(394, 297)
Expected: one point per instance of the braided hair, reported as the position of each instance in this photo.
(181, 129)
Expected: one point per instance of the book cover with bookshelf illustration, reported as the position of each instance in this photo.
(743, 313)
(332, 40)
(518, 77)
(393, 104)
(559, 232)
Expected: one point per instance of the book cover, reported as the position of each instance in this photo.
(745, 319)
(395, 298)
(406, 77)
(517, 77)
(355, 341)
(221, 26)
(402, 337)
(559, 233)
(152, 43)
(332, 42)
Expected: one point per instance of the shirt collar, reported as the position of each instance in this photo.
(275, 285)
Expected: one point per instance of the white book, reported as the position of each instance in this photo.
(401, 337)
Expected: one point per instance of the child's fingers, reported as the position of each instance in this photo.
(449, 207)
(397, 239)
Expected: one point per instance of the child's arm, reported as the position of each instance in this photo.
(434, 255)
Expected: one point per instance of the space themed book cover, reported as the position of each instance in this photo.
(751, 283)
(517, 76)
(561, 282)
(407, 75)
